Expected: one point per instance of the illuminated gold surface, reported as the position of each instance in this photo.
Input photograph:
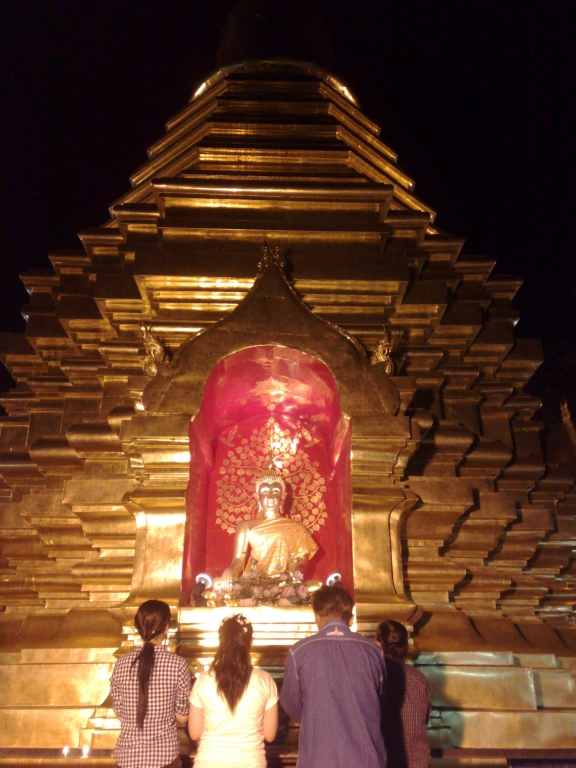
(54, 685)
(37, 728)
(276, 628)
(159, 544)
(265, 615)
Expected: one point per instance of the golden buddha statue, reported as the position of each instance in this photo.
(277, 544)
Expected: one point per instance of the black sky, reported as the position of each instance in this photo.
(476, 96)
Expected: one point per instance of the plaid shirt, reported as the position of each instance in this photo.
(157, 744)
(405, 715)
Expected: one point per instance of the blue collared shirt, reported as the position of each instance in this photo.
(333, 684)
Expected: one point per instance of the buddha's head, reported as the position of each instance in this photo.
(270, 492)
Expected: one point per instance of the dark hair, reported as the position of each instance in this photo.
(333, 601)
(393, 637)
(152, 619)
(232, 665)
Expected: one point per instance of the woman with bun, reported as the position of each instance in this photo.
(234, 707)
(150, 689)
(406, 708)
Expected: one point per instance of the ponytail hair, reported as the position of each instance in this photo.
(152, 619)
(232, 665)
(393, 637)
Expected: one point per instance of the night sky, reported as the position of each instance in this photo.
(476, 96)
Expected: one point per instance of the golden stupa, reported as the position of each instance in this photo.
(270, 278)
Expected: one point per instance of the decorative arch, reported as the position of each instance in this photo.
(259, 401)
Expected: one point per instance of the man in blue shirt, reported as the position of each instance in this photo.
(333, 684)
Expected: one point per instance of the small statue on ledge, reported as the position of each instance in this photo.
(279, 547)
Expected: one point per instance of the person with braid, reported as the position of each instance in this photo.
(234, 707)
(406, 708)
(150, 689)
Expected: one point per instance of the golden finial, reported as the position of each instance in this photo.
(272, 254)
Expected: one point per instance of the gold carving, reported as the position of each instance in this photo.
(155, 352)
(567, 419)
(382, 353)
(235, 500)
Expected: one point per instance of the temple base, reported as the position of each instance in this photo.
(489, 707)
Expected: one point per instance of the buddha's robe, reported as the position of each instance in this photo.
(277, 545)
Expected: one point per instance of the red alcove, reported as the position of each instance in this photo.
(258, 402)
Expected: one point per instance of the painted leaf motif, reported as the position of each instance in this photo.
(235, 498)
